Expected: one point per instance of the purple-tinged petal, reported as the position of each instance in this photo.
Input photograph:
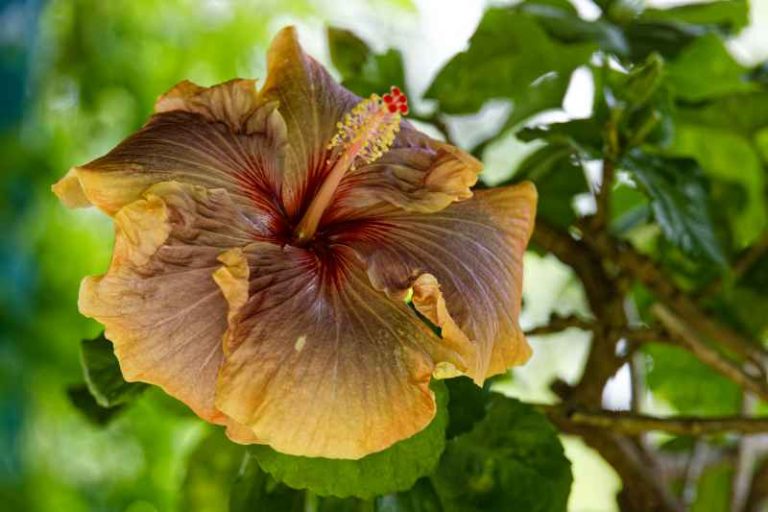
(320, 364)
(216, 137)
(465, 266)
(158, 301)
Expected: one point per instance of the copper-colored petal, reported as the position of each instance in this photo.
(214, 137)
(158, 301)
(311, 102)
(465, 265)
(320, 364)
(232, 102)
(418, 174)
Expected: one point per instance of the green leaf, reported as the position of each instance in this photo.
(558, 177)
(744, 114)
(666, 38)
(563, 23)
(364, 72)
(254, 490)
(676, 376)
(642, 82)
(637, 103)
(730, 158)
(546, 93)
(507, 53)
(713, 490)
(80, 397)
(761, 142)
(583, 135)
(379, 73)
(705, 69)
(629, 208)
(394, 469)
(466, 405)
(211, 468)
(348, 52)
(729, 16)
(512, 460)
(103, 376)
(420, 498)
(748, 303)
(679, 201)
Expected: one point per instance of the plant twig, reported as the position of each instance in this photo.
(603, 198)
(648, 491)
(647, 272)
(558, 323)
(693, 471)
(746, 460)
(758, 494)
(634, 424)
(691, 340)
(742, 265)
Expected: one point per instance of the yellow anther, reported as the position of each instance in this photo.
(367, 132)
(364, 135)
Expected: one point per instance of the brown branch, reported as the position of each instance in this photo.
(558, 323)
(743, 264)
(758, 493)
(746, 460)
(603, 197)
(634, 424)
(643, 489)
(605, 300)
(648, 490)
(647, 272)
(693, 471)
(690, 339)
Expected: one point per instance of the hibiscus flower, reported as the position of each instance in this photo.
(296, 263)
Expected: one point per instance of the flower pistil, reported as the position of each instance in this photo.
(365, 134)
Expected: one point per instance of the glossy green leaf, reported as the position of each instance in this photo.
(706, 69)
(677, 377)
(728, 15)
(394, 469)
(583, 135)
(379, 73)
(82, 399)
(732, 159)
(210, 471)
(512, 460)
(563, 23)
(362, 71)
(558, 177)
(419, 498)
(348, 52)
(680, 202)
(642, 82)
(666, 38)
(744, 114)
(466, 405)
(630, 208)
(713, 490)
(254, 490)
(103, 376)
(507, 53)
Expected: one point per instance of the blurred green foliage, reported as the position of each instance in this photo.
(76, 76)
